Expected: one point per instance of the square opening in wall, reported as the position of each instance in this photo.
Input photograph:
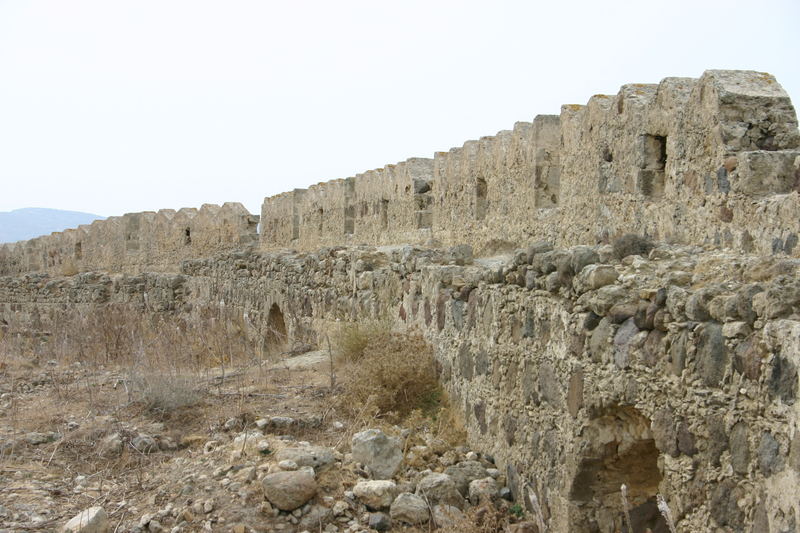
(653, 161)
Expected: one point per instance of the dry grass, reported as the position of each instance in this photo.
(394, 375)
(165, 392)
(632, 244)
(351, 339)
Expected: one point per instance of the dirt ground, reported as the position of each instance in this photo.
(59, 454)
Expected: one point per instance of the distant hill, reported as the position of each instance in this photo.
(30, 222)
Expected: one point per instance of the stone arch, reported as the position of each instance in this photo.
(617, 448)
(276, 336)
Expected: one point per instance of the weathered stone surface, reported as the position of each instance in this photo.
(724, 508)
(377, 451)
(739, 446)
(289, 490)
(483, 490)
(410, 509)
(712, 354)
(664, 432)
(439, 489)
(593, 277)
(91, 520)
(313, 456)
(770, 460)
(377, 494)
(379, 522)
(464, 473)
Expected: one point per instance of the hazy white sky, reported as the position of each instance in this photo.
(112, 106)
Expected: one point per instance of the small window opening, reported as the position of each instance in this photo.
(78, 250)
(481, 202)
(655, 152)
(187, 236)
(653, 162)
(295, 226)
(384, 207)
(320, 219)
(349, 220)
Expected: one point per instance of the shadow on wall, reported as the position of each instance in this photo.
(276, 338)
(620, 449)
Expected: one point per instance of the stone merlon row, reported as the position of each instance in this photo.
(714, 160)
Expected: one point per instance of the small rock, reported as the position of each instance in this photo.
(144, 444)
(111, 445)
(482, 490)
(287, 465)
(440, 489)
(447, 515)
(376, 494)
(377, 451)
(465, 472)
(313, 456)
(340, 508)
(91, 520)
(289, 490)
(409, 508)
(232, 423)
(379, 522)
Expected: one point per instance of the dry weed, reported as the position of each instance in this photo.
(165, 391)
(352, 339)
(394, 375)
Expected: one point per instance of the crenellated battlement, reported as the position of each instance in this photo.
(134, 242)
(711, 161)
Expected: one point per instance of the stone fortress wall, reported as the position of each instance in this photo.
(709, 161)
(675, 373)
(134, 242)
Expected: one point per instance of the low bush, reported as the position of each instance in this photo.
(164, 392)
(632, 244)
(390, 374)
(351, 339)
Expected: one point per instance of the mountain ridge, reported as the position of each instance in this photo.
(30, 222)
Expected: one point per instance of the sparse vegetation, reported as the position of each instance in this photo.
(392, 373)
(351, 339)
(632, 244)
(165, 392)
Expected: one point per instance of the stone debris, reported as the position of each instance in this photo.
(289, 490)
(379, 453)
(410, 509)
(91, 520)
(376, 494)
